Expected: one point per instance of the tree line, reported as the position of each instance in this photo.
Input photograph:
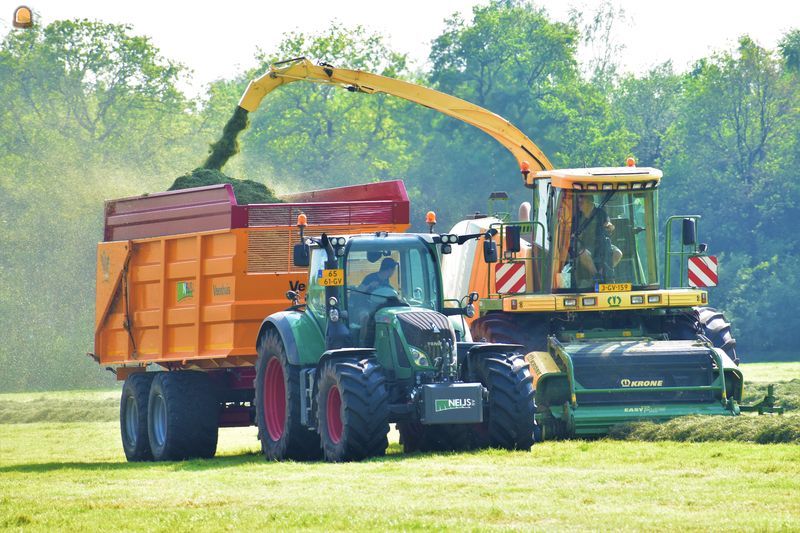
(91, 111)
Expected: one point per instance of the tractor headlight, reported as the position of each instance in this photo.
(420, 359)
(333, 314)
(638, 299)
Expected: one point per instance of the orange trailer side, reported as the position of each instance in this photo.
(197, 300)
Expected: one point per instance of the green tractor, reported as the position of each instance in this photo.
(375, 343)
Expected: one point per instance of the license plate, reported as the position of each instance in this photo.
(331, 277)
(613, 287)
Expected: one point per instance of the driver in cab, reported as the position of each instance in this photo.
(379, 278)
(594, 224)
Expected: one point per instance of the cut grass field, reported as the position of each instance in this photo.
(72, 475)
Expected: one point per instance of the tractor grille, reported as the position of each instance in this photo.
(428, 331)
(634, 364)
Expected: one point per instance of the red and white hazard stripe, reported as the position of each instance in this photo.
(509, 278)
(703, 271)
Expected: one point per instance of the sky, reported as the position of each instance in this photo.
(677, 30)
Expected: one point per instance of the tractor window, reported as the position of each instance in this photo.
(605, 237)
(315, 297)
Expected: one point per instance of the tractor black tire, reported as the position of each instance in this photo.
(509, 421)
(507, 328)
(133, 416)
(718, 330)
(417, 437)
(277, 399)
(182, 416)
(353, 410)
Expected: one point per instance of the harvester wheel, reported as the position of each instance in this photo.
(509, 419)
(278, 405)
(505, 328)
(133, 416)
(416, 437)
(353, 410)
(718, 330)
(182, 416)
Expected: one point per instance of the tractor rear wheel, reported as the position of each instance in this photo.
(718, 330)
(509, 422)
(277, 397)
(352, 410)
(182, 416)
(133, 416)
(528, 331)
(416, 437)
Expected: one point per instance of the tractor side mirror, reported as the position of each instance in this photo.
(513, 240)
(301, 254)
(689, 231)
(489, 251)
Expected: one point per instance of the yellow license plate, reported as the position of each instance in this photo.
(613, 287)
(331, 277)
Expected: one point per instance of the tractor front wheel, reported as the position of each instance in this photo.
(352, 410)
(277, 397)
(510, 421)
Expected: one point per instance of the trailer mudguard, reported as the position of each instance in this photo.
(294, 325)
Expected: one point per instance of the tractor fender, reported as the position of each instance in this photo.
(473, 351)
(279, 322)
(346, 353)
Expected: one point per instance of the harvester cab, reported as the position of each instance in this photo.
(578, 284)
(376, 343)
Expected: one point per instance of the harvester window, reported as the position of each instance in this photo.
(604, 237)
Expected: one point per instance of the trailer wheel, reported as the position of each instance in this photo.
(278, 405)
(509, 421)
(531, 332)
(417, 437)
(352, 410)
(718, 330)
(133, 417)
(182, 416)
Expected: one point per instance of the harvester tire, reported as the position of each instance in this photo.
(416, 437)
(133, 417)
(509, 421)
(718, 330)
(182, 416)
(506, 328)
(353, 410)
(277, 402)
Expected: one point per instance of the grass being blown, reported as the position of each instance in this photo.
(246, 191)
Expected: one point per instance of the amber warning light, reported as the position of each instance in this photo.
(302, 220)
(630, 162)
(23, 17)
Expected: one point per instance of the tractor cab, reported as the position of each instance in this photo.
(373, 272)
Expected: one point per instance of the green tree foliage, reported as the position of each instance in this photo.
(88, 111)
(513, 59)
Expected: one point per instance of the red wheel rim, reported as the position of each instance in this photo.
(274, 399)
(335, 425)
